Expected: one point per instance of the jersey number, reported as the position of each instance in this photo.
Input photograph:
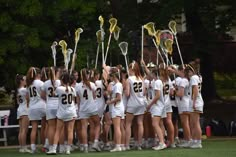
(33, 91)
(166, 89)
(85, 94)
(99, 92)
(199, 87)
(137, 87)
(50, 89)
(66, 99)
(20, 100)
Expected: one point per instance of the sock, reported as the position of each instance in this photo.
(55, 147)
(95, 141)
(61, 147)
(33, 147)
(65, 142)
(117, 145)
(46, 144)
(68, 147)
(85, 145)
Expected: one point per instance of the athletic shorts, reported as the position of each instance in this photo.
(107, 109)
(136, 110)
(198, 106)
(83, 115)
(158, 110)
(37, 114)
(117, 112)
(22, 112)
(175, 114)
(51, 113)
(67, 116)
(168, 108)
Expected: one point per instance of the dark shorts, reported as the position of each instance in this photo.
(107, 109)
(175, 114)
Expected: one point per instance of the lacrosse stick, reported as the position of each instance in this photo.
(165, 34)
(54, 52)
(116, 33)
(172, 27)
(124, 49)
(142, 43)
(113, 23)
(100, 18)
(63, 45)
(99, 41)
(77, 37)
(69, 52)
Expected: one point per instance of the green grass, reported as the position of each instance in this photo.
(211, 148)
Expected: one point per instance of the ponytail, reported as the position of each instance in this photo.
(85, 79)
(31, 75)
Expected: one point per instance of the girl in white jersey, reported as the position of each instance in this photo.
(182, 98)
(116, 107)
(157, 108)
(167, 86)
(37, 106)
(87, 109)
(22, 111)
(196, 104)
(136, 102)
(48, 89)
(66, 112)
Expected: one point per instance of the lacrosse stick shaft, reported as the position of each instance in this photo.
(108, 45)
(73, 59)
(158, 50)
(142, 40)
(171, 59)
(96, 62)
(157, 58)
(177, 44)
(165, 54)
(126, 63)
(54, 59)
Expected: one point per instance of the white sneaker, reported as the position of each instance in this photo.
(96, 146)
(21, 150)
(185, 144)
(85, 149)
(107, 147)
(116, 149)
(123, 148)
(127, 148)
(61, 149)
(52, 152)
(196, 146)
(67, 152)
(26, 150)
(138, 148)
(161, 146)
(172, 145)
(177, 141)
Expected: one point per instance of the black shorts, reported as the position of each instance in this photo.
(107, 109)
(175, 113)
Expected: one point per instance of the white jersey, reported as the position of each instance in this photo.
(66, 102)
(184, 83)
(195, 80)
(117, 88)
(158, 85)
(136, 97)
(34, 91)
(148, 88)
(100, 101)
(22, 102)
(52, 98)
(87, 101)
(166, 90)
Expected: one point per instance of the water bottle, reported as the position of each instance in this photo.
(208, 131)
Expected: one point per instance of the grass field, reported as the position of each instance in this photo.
(211, 148)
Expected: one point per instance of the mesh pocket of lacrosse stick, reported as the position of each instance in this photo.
(123, 47)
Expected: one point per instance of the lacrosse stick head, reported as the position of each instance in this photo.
(100, 18)
(150, 27)
(157, 36)
(172, 27)
(63, 45)
(113, 23)
(53, 47)
(69, 52)
(99, 36)
(77, 34)
(168, 46)
(123, 47)
(117, 33)
(165, 34)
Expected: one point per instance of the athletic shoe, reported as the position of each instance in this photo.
(177, 141)
(196, 146)
(67, 152)
(116, 149)
(161, 146)
(123, 148)
(85, 150)
(44, 149)
(26, 150)
(107, 147)
(52, 152)
(96, 146)
(21, 150)
(138, 148)
(127, 148)
(61, 149)
(185, 144)
(172, 145)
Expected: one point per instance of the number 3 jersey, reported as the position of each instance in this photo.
(34, 91)
(87, 102)
(52, 98)
(66, 102)
(136, 97)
